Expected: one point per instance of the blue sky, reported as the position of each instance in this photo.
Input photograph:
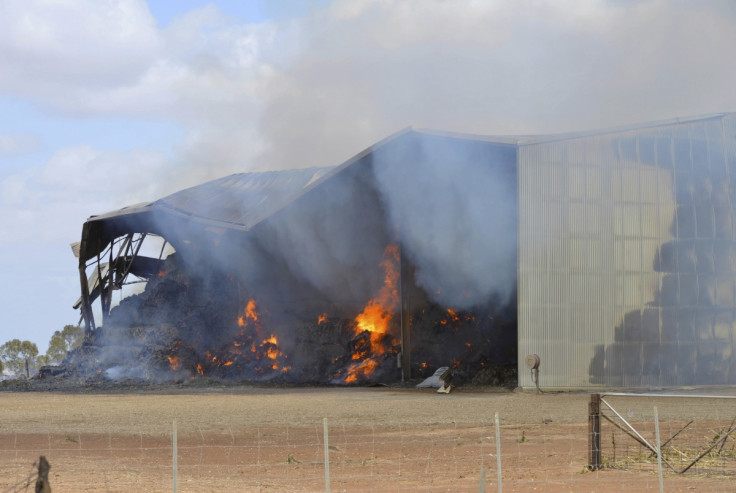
(247, 11)
(105, 104)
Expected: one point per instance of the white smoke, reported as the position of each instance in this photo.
(456, 212)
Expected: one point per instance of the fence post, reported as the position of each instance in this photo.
(482, 485)
(659, 449)
(498, 454)
(42, 482)
(327, 458)
(175, 453)
(594, 432)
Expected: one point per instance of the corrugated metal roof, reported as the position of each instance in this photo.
(243, 200)
(537, 139)
(529, 139)
(238, 201)
(235, 202)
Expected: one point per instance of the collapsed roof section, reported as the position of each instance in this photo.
(232, 204)
(236, 202)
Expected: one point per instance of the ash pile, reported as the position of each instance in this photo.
(187, 329)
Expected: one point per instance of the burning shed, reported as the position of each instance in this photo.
(379, 269)
(615, 249)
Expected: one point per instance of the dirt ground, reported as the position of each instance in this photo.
(268, 439)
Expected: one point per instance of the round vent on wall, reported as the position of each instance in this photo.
(533, 361)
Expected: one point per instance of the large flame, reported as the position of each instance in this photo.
(379, 310)
(375, 319)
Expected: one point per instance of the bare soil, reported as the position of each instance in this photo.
(271, 439)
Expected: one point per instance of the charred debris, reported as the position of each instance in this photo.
(183, 329)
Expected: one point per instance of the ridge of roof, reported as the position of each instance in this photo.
(527, 139)
(539, 139)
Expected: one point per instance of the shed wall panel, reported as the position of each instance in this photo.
(620, 236)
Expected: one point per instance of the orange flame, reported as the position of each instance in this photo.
(457, 319)
(378, 311)
(272, 351)
(270, 348)
(322, 318)
(249, 313)
(363, 368)
(174, 362)
(375, 319)
(199, 369)
(249, 346)
(250, 310)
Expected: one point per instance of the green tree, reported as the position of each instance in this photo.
(62, 342)
(15, 353)
(73, 335)
(57, 348)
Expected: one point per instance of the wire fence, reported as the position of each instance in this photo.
(344, 455)
(697, 433)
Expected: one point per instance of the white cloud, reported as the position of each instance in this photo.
(102, 58)
(17, 143)
(51, 203)
(82, 172)
(50, 45)
(15, 191)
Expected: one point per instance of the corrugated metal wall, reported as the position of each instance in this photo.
(627, 257)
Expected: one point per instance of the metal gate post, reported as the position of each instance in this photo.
(594, 432)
